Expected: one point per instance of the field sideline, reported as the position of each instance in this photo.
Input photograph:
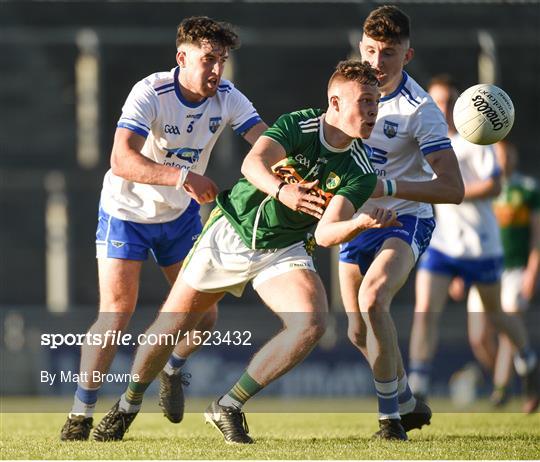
(282, 436)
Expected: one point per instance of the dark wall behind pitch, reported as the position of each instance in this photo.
(288, 53)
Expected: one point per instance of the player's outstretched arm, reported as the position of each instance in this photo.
(337, 225)
(257, 168)
(483, 189)
(447, 188)
(128, 162)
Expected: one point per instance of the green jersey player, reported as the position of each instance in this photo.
(310, 170)
(309, 158)
(517, 209)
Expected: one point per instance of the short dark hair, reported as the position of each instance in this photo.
(354, 70)
(200, 28)
(444, 80)
(387, 24)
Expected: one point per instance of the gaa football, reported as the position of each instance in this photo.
(483, 114)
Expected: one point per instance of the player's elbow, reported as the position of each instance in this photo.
(244, 168)
(457, 192)
(323, 239)
(117, 164)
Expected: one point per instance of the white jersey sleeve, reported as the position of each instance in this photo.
(140, 109)
(242, 113)
(429, 128)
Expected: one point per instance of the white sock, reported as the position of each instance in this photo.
(227, 401)
(124, 406)
(407, 402)
(82, 409)
(387, 396)
(525, 364)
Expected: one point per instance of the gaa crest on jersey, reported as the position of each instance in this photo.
(214, 124)
(390, 129)
(333, 181)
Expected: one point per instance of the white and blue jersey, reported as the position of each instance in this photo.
(409, 127)
(136, 218)
(470, 229)
(467, 241)
(178, 133)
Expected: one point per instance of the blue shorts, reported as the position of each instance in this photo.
(169, 242)
(362, 249)
(471, 270)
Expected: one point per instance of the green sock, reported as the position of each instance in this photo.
(135, 391)
(244, 389)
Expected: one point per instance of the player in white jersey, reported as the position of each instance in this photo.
(517, 209)
(465, 244)
(151, 195)
(409, 144)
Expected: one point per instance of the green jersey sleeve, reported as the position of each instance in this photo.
(359, 188)
(285, 131)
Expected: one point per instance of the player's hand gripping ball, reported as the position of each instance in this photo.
(483, 114)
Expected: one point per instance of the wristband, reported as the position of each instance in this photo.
(283, 183)
(389, 187)
(182, 177)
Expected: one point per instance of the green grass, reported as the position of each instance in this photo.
(282, 436)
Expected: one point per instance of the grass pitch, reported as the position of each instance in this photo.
(282, 436)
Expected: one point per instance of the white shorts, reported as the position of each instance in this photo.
(511, 299)
(221, 262)
(511, 283)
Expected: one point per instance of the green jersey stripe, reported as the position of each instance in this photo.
(361, 161)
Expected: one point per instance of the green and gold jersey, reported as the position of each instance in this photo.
(519, 199)
(265, 223)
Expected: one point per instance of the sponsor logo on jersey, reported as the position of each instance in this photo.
(190, 155)
(333, 181)
(390, 129)
(302, 160)
(172, 129)
(117, 244)
(214, 123)
(378, 156)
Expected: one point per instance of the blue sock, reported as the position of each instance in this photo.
(419, 375)
(174, 364)
(84, 401)
(406, 400)
(387, 395)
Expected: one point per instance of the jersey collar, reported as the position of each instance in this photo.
(179, 95)
(325, 143)
(398, 89)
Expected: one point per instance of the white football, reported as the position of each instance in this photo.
(483, 114)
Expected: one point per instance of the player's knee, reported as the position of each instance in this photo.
(374, 300)
(117, 305)
(479, 338)
(112, 320)
(357, 336)
(310, 329)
